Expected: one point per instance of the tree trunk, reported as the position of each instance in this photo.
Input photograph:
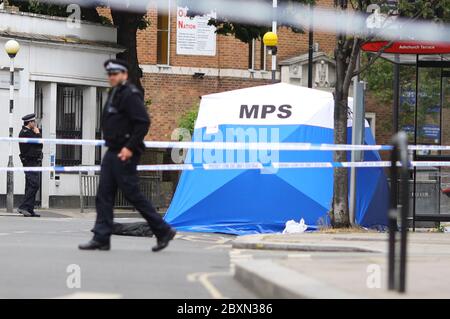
(127, 24)
(339, 214)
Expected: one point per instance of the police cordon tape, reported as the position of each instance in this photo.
(282, 146)
(227, 166)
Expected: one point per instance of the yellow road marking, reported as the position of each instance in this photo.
(203, 279)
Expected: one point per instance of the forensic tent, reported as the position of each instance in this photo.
(248, 201)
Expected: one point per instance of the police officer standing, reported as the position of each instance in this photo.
(31, 156)
(125, 123)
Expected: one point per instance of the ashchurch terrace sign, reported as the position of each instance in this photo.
(408, 47)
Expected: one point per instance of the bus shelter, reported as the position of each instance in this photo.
(421, 108)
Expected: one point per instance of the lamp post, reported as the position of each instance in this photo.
(270, 40)
(12, 47)
(310, 48)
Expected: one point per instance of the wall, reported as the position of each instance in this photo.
(172, 95)
(174, 91)
(46, 60)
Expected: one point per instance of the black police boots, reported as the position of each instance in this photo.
(94, 245)
(27, 213)
(163, 242)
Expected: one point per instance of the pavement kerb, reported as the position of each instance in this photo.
(257, 242)
(270, 280)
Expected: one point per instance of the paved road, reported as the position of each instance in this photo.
(38, 256)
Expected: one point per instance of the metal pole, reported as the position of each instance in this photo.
(310, 48)
(416, 121)
(393, 213)
(358, 127)
(10, 174)
(404, 184)
(396, 97)
(441, 117)
(274, 30)
(397, 270)
(392, 217)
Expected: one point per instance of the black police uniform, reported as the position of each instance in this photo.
(31, 156)
(125, 123)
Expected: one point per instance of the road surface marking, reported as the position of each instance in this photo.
(204, 239)
(236, 254)
(227, 246)
(203, 279)
(299, 256)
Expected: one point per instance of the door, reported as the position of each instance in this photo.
(38, 110)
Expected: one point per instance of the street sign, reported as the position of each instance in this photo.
(408, 47)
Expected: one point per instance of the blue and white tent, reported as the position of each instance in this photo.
(262, 201)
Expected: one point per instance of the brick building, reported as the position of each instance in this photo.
(174, 82)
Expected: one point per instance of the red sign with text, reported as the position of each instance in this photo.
(408, 47)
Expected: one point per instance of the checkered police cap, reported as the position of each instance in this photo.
(29, 117)
(116, 65)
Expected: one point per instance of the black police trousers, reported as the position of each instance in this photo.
(116, 174)
(31, 187)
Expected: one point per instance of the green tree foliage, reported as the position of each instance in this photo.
(187, 121)
(37, 7)
(348, 48)
(379, 78)
(437, 10)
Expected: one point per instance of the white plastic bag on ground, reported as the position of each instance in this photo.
(292, 227)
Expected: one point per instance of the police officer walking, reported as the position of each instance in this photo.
(31, 156)
(125, 123)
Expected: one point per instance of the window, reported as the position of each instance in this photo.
(98, 122)
(69, 118)
(371, 119)
(251, 55)
(38, 103)
(163, 37)
(263, 62)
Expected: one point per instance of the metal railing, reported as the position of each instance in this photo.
(149, 185)
(397, 246)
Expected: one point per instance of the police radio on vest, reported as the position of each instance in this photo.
(264, 111)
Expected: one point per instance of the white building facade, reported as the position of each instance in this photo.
(295, 71)
(60, 77)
